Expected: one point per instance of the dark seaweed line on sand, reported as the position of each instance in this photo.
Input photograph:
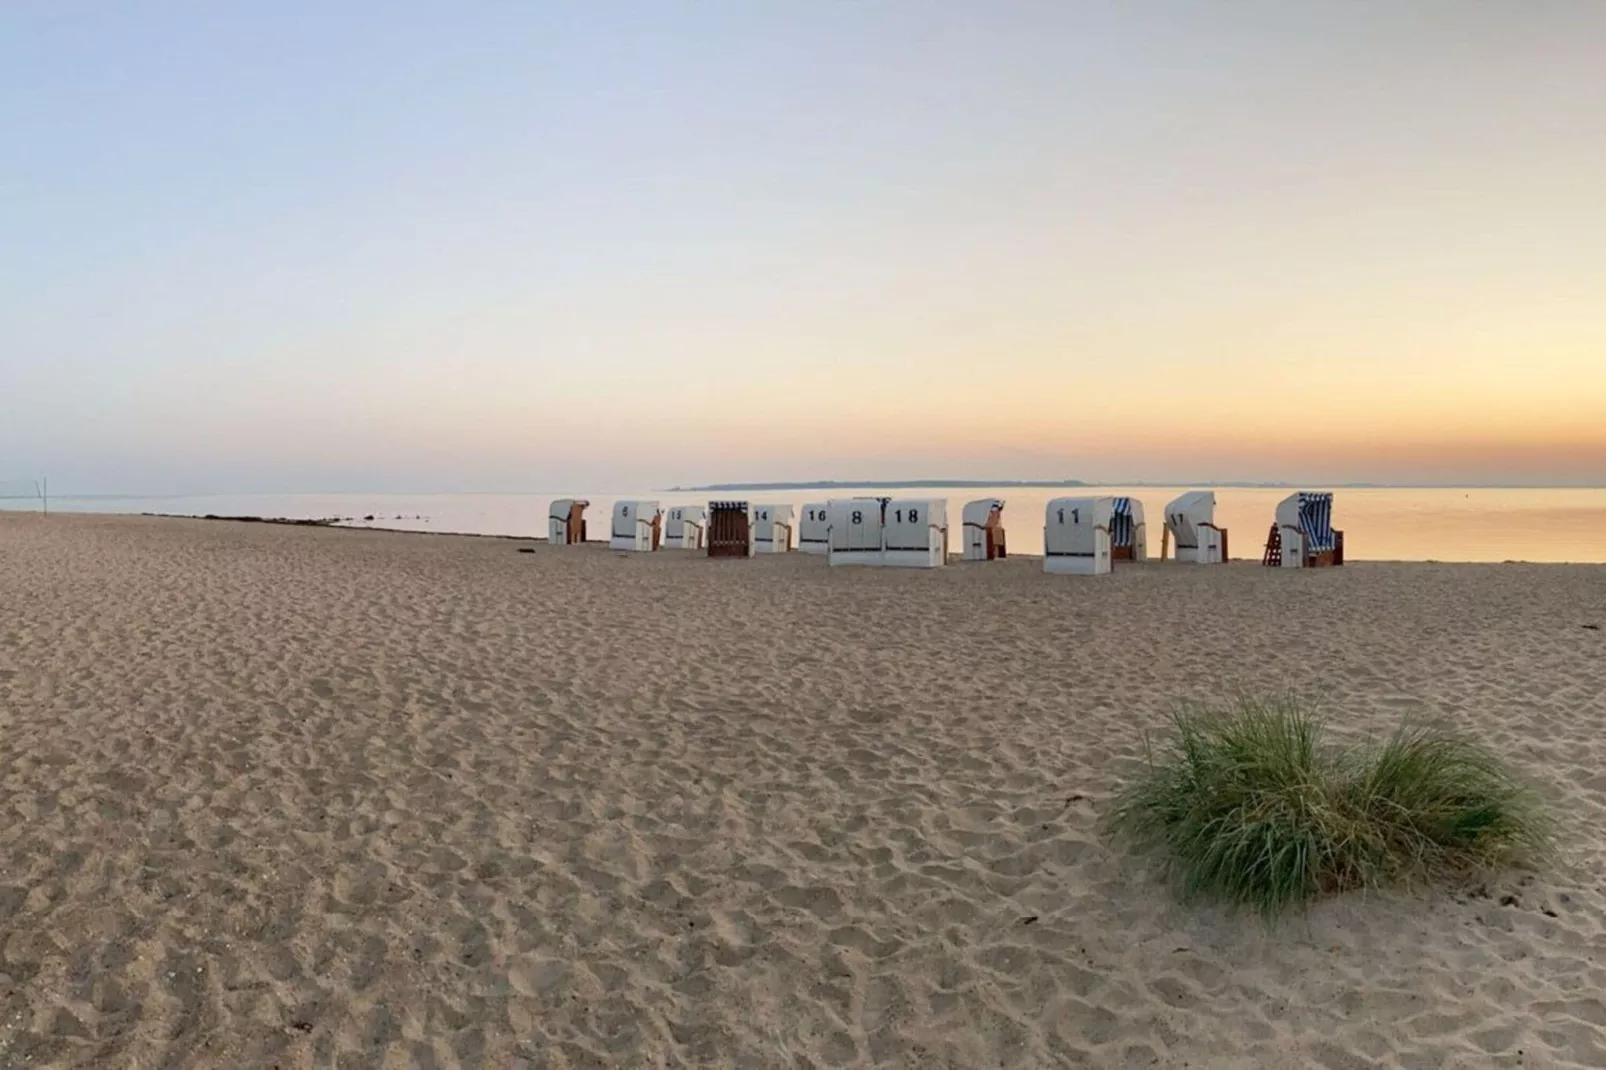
(337, 523)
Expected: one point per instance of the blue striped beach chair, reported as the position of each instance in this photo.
(1129, 537)
(1303, 535)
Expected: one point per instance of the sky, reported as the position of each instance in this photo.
(400, 246)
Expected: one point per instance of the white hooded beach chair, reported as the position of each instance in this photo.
(1303, 535)
(983, 521)
(915, 532)
(635, 526)
(1190, 523)
(1076, 535)
(566, 521)
(1129, 536)
(683, 527)
(814, 529)
(855, 531)
(772, 529)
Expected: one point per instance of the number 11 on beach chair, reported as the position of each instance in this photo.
(1076, 536)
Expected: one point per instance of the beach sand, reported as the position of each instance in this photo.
(310, 798)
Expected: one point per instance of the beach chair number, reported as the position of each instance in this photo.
(914, 515)
(858, 517)
(1075, 516)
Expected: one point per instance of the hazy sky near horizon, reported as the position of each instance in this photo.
(412, 246)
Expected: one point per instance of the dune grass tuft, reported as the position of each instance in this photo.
(1250, 806)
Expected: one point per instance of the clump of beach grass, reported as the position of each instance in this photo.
(1251, 806)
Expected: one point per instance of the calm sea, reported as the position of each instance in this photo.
(1395, 524)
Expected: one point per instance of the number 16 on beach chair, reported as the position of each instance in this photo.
(1076, 536)
(814, 529)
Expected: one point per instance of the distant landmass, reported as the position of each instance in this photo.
(898, 484)
(832, 484)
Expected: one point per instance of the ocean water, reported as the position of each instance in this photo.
(1382, 524)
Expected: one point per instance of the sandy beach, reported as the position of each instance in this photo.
(310, 798)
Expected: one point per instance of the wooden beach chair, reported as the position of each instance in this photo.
(772, 529)
(730, 529)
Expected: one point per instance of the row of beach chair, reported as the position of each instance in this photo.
(1082, 535)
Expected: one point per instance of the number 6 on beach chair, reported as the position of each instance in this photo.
(814, 530)
(1076, 536)
(1129, 536)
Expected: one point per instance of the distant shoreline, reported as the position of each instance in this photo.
(838, 484)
